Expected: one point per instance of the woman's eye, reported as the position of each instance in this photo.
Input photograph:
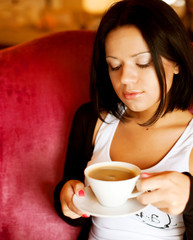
(146, 65)
(114, 68)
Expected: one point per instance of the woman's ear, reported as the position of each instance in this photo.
(176, 68)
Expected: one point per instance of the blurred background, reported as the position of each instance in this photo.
(24, 20)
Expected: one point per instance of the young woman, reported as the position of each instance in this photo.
(141, 88)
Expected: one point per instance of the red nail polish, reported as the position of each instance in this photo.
(85, 216)
(145, 175)
(81, 193)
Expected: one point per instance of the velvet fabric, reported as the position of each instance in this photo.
(42, 83)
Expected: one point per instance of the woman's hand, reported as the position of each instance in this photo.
(168, 191)
(66, 198)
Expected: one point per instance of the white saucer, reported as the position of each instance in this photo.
(90, 205)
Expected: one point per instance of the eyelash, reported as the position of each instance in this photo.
(144, 65)
(115, 68)
(139, 65)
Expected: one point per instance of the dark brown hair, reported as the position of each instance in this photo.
(165, 36)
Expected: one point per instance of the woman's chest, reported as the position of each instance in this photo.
(144, 148)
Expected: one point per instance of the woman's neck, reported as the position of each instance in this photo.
(174, 117)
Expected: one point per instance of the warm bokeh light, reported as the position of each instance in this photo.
(170, 1)
(177, 3)
(96, 7)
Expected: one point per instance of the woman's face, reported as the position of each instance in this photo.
(132, 71)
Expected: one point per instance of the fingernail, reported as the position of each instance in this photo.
(85, 216)
(81, 193)
(145, 175)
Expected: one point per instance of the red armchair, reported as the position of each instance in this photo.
(42, 83)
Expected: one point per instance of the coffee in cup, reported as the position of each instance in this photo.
(112, 182)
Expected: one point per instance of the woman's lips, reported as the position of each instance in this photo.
(132, 95)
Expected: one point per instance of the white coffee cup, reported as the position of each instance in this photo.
(112, 192)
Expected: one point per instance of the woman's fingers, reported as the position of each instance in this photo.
(66, 197)
(79, 189)
(168, 191)
(151, 181)
(67, 212)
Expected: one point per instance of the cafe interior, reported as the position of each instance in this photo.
(22, 20)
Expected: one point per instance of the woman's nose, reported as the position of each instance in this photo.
(128, 75)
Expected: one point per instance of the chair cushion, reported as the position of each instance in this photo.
(42, 83)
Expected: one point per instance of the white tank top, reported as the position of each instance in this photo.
(151, 223)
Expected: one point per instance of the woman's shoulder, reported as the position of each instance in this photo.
(85, 116)
(86, 110)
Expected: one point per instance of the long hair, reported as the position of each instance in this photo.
(165, 36)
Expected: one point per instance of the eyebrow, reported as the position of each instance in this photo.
(134, 55)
